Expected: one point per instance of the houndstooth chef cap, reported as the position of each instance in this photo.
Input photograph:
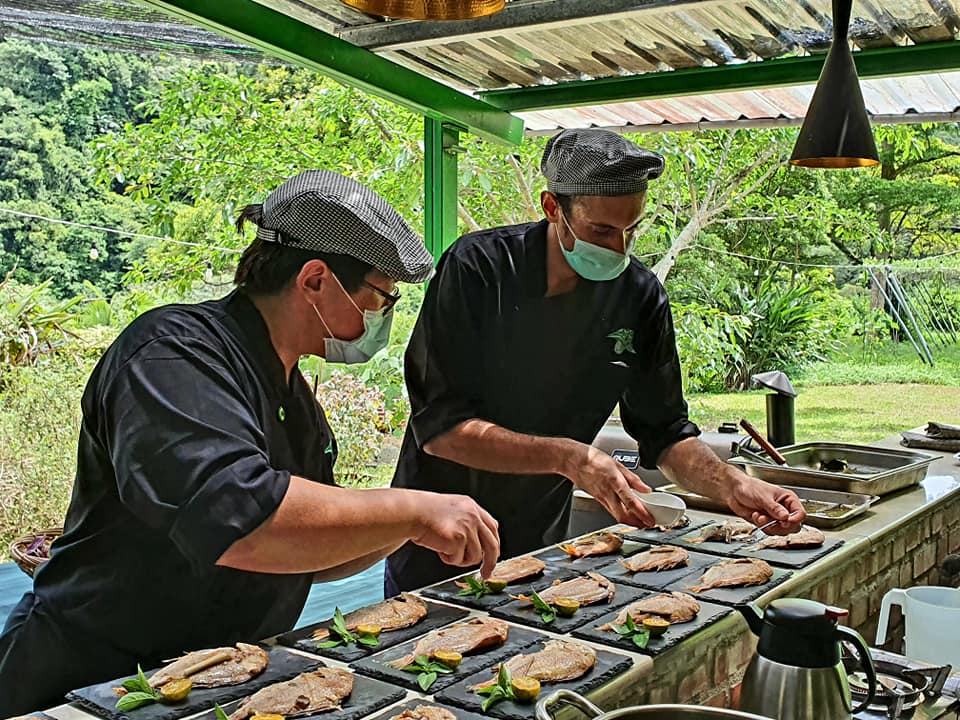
(597, 162)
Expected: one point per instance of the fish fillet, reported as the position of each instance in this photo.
(307, 694)
(586, 589)
(735, 573)
(518, 568)
(602, 543)
(464, 638)
(425, 712)
(394, 614)
(665, 557)
(239, 664)
(676, 607)
(560, 660)
(806, 537)
(730, 531)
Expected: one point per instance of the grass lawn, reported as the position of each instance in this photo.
(842, 413)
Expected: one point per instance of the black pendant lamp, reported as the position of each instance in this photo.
(836, 130)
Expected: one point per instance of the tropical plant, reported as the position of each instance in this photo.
(31, 323)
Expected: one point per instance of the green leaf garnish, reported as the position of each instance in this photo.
(221, 715)
(546, 611)
(344, 636)
(475, 588)
(427, 671)
(631, 631)
(139, 692)
(503, 690)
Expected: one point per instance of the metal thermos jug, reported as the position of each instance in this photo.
(797, 673)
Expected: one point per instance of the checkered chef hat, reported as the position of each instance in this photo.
(597, 162)
(326, 212)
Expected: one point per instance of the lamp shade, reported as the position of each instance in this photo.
(836, 131)
(428, 9)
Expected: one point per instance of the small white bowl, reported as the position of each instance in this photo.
(666, 509)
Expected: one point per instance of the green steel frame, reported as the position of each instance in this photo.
(881, 62)
(440, 149)
(300, 43)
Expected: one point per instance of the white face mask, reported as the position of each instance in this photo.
(373, 339)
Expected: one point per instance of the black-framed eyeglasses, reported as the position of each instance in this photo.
(389, 299)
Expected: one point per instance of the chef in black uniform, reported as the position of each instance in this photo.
(204, 504)
(528, 338)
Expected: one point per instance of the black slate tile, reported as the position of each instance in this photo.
(709, 614)
(101, 700)
(376, 665)
(368, 697)
(576, 566)
(653, 535)
(522, 612)
(609, 665)
(450, 592)
(729, 595)
(438, 615)
(697, 563)
(792, 557)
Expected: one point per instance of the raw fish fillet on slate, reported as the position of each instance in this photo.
(603, 543)
(307, 694)
(665, 557)
(805, 538)
(735, 573)
(676, 607)
(560, 660)
(215, 667)
(394, 614)
(425, 712)
(464, 638)
(518, 568)
(587, 590)
(730, 531)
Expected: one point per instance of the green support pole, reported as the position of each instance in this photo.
(440, 148)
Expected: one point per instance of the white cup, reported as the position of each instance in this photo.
(666, 509)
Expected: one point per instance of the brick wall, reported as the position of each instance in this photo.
(707, 668)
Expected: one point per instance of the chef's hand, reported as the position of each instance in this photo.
(760, 503)
(460, 531)
(609, 482)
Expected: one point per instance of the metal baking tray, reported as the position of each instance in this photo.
(832, 507)
(870, 470)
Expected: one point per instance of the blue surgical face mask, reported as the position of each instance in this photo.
(592, 262)
(373, 339)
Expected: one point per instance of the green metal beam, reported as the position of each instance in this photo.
(881, 62)
(440, 148)
(299, 43)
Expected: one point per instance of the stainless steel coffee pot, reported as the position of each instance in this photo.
(797, 673)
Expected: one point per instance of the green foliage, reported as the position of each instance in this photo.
(31, 324)
(360, 419)
(710, 342)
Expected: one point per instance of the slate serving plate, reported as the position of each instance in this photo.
(652, 535)
(794, 558)
(101, 700)
(609, 665)
(698, 562)
(728, 595)
(437, 616)
(709, 614)
(413, 704)
(449, 591)
(556, 557)
(376, 665)
(791, 558)
(367, 697)
(521, 612)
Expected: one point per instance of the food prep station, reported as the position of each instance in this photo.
(624, 674)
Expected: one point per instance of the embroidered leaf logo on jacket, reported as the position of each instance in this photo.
(623, 341)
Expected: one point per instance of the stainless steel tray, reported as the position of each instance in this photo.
(870, 470)
(837, 507)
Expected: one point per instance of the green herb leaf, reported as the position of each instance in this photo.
(144, 683)
(366, 640)
(487, 690)
(132, 685)
(476, 588)
(545, 610)
(329, 644)
(641, 638)
(426, 680)
(133, 700)
(221, 715)
(495, 696)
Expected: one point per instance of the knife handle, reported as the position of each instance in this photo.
(763, 442)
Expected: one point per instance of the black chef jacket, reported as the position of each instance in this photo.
(488, 344)
(190, 434)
